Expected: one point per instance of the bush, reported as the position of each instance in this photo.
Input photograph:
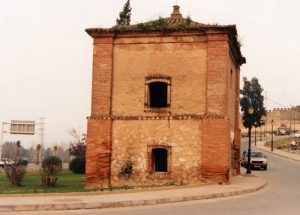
(52, 162)
(15, 173)
(77, 165)
(50, 167)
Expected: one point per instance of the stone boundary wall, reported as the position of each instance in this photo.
(287, 116)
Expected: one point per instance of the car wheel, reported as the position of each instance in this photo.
(265, 167)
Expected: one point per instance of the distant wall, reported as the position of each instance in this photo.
(287, 116)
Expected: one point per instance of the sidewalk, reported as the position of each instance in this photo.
(242, 184)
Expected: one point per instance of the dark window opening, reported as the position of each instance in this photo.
(158, 94)
(160, 160)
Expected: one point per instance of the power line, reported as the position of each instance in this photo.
(277, 103)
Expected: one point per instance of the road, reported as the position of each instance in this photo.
(281, 196)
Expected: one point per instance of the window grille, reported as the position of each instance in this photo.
(158, 93)
(160, 160)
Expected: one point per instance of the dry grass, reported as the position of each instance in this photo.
(282, 143)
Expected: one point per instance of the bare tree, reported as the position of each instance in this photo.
(55, 150)
(18, 144)
(74, 134)
(38, 148)
(78, 147)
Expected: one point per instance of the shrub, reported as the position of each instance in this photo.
(15, 173)
(52, 162)
(77, 165)
(50, 167)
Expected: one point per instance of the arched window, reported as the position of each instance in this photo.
(157, 93)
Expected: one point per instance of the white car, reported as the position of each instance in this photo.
(2, 164)
(7, 161)
(257, 159)
(297, 134)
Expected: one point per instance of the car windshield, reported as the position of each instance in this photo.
(257, 154)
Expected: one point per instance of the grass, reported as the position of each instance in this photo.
(281, 143)
(67, 182)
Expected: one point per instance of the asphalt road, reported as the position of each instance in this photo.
(35, 167)
(281, 196)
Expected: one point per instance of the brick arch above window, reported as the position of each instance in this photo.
(157, 93)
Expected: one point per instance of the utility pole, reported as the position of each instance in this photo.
(266, 121)
(290, 119)
(41, 136)
(1, 143)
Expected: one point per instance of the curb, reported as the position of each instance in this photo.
(127, 203)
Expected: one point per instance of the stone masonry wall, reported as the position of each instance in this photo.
(132, 137)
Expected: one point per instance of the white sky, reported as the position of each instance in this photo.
(46, 55)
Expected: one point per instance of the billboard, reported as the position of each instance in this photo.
(22, 127)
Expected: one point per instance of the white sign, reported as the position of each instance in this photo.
(22, 127)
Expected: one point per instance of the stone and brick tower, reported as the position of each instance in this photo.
(165, 103)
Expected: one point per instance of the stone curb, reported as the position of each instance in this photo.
(129, 203)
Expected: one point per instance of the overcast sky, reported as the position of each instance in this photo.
(46, 55)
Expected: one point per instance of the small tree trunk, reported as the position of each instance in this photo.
(37, 158)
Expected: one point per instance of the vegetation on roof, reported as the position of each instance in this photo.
(162, 22)
(187, 22)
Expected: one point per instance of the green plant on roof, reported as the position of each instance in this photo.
(161, 22)
(143, 26)
(186, 23)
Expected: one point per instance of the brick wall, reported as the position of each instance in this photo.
(217, 73)
(98, 153)
(102, 76)
(139, 57)
(216, 149)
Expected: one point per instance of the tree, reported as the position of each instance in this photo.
(74, 134)
(38, 148)
(124, 16)
(252, 97)
(18, 144)
(55, 150)
(77, 148)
